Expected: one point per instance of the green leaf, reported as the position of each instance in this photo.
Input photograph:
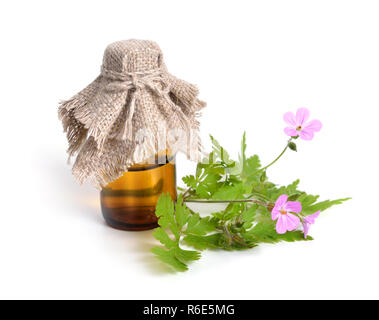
(164, 210)
(203, 242)
(294, 196)
(199, 170)
(292, 188)
(247, 166)
(174, 221)
(252, 164)
(163, 238)
(252, 169)
(229, 192)
(169, 257)
(190, 181)
(200, 226)
(292, 236)
(219, 151)
(265, 232)
(209, 186)
(242, 157)
(307, 199)
(233, 210)
(248, 216)
(186, 255)
(273, 192)
(182, 213)
(322, 206)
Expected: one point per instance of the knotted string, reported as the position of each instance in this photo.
(138, 81)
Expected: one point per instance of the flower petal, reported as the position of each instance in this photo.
(281, 201)
(306, 229)
(311, 218)
(292, 132)
(314, 126)
(306, 135)
(281, 225)
(302, 115)
(292, 221)
(289, 117)
(275, 213)
(293, 206)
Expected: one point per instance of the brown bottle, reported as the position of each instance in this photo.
(128, 203)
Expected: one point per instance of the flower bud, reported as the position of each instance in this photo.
(263, 177)
(292, 146)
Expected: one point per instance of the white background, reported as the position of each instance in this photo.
(253, 61)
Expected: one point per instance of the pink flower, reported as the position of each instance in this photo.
(299, 125)
(307, 221)
(281, 211)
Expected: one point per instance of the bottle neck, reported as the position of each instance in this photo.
(158, 160)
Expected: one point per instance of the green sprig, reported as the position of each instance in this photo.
(245, 222)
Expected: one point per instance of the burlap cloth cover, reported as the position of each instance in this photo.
(131, 111)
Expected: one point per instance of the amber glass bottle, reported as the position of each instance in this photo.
(128, 203)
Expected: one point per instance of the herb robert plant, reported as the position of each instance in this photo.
(257, 210)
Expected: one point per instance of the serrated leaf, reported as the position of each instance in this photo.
(208, 186)
(219, 215)
(292, 188)
(248, 216)
(186, 255)
(307, 199)
(252, 169)
(190, 181)
(169, 257)
(292, 236)
(294, 197)
(164, 238)
(164, 210)
(253, 164)
(229, 192)
(274, 192)
(200, 226)
(203, 242)
(182, 213)
(219, 151)
(265, 232)
(174, 255)
(322, 206)
(233, 210)
(199, 170)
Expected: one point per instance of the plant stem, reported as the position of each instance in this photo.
(226, 201)
(259, 195)
(225, 227)
(185, 193)
(276, 159)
